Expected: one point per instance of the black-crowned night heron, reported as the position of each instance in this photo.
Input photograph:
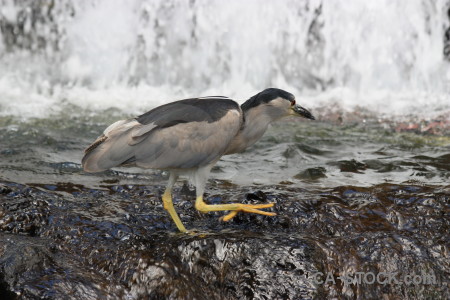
(188, 137)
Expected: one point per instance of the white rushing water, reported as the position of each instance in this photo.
(384, 55)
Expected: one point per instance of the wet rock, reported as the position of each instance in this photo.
(34, 269)
(312, 173)
(23, 214)
(4, 189)
(187, 191)
(122, 244)
(352, 165)
(259, 195)
(240, 265)
(441, 162)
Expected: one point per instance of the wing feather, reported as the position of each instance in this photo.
(182, 134)
(188, 145)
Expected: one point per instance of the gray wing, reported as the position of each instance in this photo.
(182, 134)
(188, 145)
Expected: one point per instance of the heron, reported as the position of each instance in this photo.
(187, 138)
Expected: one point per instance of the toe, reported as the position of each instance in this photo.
(258, 206)
(257, 211)
(229, 216)
(249, 208)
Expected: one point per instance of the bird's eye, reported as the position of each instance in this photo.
(293, 102)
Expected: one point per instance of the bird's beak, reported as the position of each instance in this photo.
(302, 112)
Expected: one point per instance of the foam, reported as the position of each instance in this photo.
(381, 55)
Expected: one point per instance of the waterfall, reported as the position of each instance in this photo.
(385, 55)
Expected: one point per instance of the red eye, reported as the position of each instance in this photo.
(293, 102)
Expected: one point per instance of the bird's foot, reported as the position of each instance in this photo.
(234, 208)
(249, 208)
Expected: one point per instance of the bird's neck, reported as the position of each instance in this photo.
(256, 121)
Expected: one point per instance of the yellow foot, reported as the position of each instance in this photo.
(234, 208)
(249, 208)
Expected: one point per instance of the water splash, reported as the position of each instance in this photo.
(135, 55)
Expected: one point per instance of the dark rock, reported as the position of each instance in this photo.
(122, 244)
(312, 173)
(4, 189)
(259, 195)
(352, 165)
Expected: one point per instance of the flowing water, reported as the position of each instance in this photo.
(365, 188)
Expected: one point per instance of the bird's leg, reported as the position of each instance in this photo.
(168, 204)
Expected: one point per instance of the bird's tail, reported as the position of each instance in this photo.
(111, 149)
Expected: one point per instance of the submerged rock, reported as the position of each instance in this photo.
(312, 173)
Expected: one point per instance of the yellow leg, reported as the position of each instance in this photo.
(234, 208)
(168, 205)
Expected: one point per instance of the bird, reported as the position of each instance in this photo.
(187, 138)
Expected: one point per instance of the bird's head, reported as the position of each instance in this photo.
(276, 103)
